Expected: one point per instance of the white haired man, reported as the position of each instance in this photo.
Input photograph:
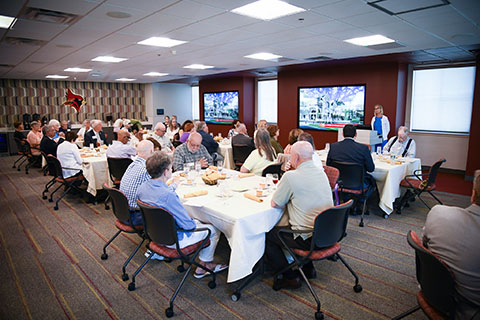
(161, 137)
(402, 144)
(302, 193)
(191, 151)
(95, 136)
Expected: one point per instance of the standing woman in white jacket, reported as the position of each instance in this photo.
(380, 124)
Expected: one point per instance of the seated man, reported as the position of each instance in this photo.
(18, 134)
(302, 193)
(349, 150)
(161, 137)
(402, 144)
(48, 144)
(120, 148)
(156, 192)
(63, 127)
(134, 176)
(208, 141)
(136, 135)
(95, 136)
(190, 152)
(453, 234)
(304, 136)
(56, 126)
(242, 137)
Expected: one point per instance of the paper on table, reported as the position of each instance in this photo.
(252, 197)
(195, 194)
(245, 175)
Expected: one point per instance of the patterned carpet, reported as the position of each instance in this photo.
(51, 267)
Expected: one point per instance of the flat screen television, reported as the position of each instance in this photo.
(220, 107)
(332, 107)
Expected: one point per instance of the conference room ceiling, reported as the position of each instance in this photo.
(43, 43)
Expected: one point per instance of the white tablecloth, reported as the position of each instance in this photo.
(244, 222)
(226, 152)
(95, 171)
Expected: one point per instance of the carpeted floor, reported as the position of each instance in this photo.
(51, 267)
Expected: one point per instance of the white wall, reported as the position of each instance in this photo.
(175, 99)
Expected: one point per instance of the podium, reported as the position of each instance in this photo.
(368, 137)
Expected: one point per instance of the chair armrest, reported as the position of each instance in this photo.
(293, 231)
(71, 168)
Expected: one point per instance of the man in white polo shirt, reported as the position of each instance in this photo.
(120, 148)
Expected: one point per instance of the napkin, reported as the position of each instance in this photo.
(252, 197)
(195, 194)
(245, 175)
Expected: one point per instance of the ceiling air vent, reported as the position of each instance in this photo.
(24, 42)
(385, 46)
(217, 69)
(319, 58)
(49, 16)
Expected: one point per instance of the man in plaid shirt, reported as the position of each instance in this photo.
(191, 152)
(134, 176)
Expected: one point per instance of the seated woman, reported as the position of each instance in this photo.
(136, 135)
(173, 128)
(185, 131)
(261, 157)
(69, 156)
(274, 133)
(234, 130)
(157, 193)
(85, 128)
(292, 138)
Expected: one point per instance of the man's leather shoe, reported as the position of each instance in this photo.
(285, 283)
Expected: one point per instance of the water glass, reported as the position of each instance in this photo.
(198, 166)
(91, 146)
(188, 167)
(379, 151)
(269, 180)
(327, 147)
(220, 166)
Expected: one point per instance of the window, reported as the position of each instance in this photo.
(195, 103)
(267, 100)
(442, 99)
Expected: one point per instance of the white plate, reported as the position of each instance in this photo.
(240, 189)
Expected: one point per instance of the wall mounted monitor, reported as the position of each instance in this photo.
(332, 107)
(220, 107)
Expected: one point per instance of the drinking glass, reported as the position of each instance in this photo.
(220, 166)
(327, 147)
(198, 167)
(269, 180)
(188, 167)
(275, 178)
(379, 151)
(91, 146)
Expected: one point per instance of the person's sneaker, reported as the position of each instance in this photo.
(155, 256)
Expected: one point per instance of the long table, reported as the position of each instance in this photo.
(95, 170)
(244, 222)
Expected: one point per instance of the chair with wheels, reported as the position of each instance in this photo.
(69, 183)
(116, 168)
(437, 285)
(418, 183)
(120, 209)
(352, 181)
(161, 233)
(21, 150)
(240, 154)
(52, 181)
(329, 230)
(332, 175)
(273, 168)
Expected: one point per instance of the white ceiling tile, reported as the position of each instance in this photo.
(226, 37)
(224, 4)
(231, 20)
(11, 54)
(309, 4)
(156, 25)
(329, 27)
(192, 10)
(309, 18)
(406, 5)
(79, 7)
(370, 19)
(434, 17)
(343, 9)
(35, 30)
(75, 37)
(11, 8)
(265, 27)
(146, 5)
(50, 53)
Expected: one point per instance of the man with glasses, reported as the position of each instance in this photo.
(160, 136)
(191, 151)
(120, 148)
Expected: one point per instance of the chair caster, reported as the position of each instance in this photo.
(26, 172)
(169, 312)
(125, 277)
(18, 169)
(333, 258)
(385, 216)
(131, 286)
(50, 200)
(13, 167)
(361, 224)
(236, 296)
(212, 284)
(406, 205)
(55, 208)
(181, 268)
(104, 256)
(107, 207)
(357, 288)
(319, 315)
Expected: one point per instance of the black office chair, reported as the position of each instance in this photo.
(328, 231)
(21, 150)
(120, 209)
(351, 181)
(116, 169)
(273, 168)
(436, 296)
(240, 154)
(52, 181)
(69, 183)
(416, 184)
(161, 231)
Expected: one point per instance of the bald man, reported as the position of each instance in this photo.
(120, 148)
(162, 138)
(402, 144)
(302, 193)
(191, 151)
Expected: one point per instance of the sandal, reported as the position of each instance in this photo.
(218, 268)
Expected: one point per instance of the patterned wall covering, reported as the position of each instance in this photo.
(44, 97)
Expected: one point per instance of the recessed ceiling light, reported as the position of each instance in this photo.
(155, 74)
(263, 56)
(161, 42)
(109, 59)
(125, 79)
(198, 66)
(75, 69)
(56, 76)
(7, 22)
(267, 9)
(118, 14)
(370, 40)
